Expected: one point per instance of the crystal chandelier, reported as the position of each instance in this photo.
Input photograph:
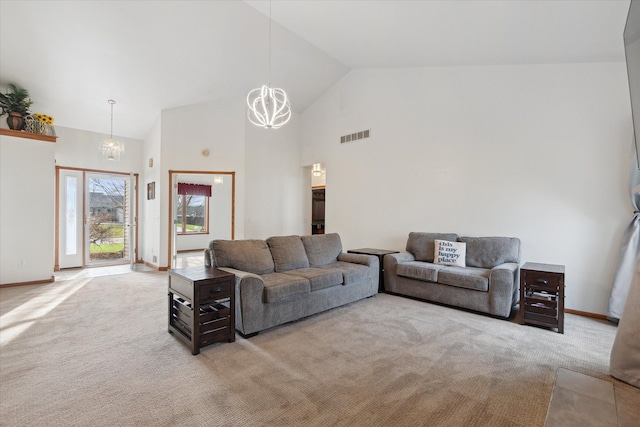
(111, 148)
(268, 107)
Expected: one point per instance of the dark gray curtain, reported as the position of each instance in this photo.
(630, 248)
(624, 363)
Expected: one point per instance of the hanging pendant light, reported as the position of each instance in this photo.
(268, 107)
(111, 148)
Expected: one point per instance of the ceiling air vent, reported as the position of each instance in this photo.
(355, 136)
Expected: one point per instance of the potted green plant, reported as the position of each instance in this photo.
(16, 104)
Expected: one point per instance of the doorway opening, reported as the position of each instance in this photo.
(195, 221)
(96, 217)
(107, 210)
(317, 210)
(318, 194)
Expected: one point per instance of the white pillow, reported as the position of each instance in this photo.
(450, 253)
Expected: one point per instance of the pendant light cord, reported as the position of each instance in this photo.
(111, 101)
(269, 72)
(111, 135)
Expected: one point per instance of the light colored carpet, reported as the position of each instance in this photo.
(96, 352)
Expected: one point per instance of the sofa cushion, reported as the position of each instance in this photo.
(252, 256)
(419, 270)
(476, 279)
(421, 244)
(288, 253)
(449, 253)
(319, 278)
(279, 286)
(322, 249)
(487, 252)
(351, 273)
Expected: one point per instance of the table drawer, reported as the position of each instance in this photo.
(539, 280)
(214, 292)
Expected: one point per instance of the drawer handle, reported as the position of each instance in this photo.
(215, 290)
(542, 282)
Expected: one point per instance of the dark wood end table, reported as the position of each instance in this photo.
(202, 306)
(380, 253)
(542, 295)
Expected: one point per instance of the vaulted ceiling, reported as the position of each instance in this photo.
(152, 55)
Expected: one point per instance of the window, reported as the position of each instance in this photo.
(192, 214)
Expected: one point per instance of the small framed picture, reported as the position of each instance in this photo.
(151, 190)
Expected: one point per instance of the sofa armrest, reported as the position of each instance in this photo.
(368, 260)
(507, 272)
(249, 300)
(390, 263)
(511, 266)
(399, 258)
(207, 258)
(247, 283)
(504, 280)
(239, 273)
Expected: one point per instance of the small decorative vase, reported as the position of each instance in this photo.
(33, 125)
(30, 124)
(15, 121)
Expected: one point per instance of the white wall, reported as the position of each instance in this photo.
(27, 177)
(150, 225)
(275, 190)
(536, 152)
(80, 149)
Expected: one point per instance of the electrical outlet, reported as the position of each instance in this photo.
(155, 258)
(22, 263)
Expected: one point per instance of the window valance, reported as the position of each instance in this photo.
(194, 189)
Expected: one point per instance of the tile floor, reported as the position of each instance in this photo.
(79, 273)
(581, 400)
(189, 259)
(185, 259)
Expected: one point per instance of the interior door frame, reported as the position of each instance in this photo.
(57, 211)
(170, 225)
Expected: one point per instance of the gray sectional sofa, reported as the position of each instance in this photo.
(286, 278)
(487, 283)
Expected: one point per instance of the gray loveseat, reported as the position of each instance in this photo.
(488, 283)
(286, 278)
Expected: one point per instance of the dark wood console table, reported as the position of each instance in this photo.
(380, 253)
(202, 306)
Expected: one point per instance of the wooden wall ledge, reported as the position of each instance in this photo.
(28, 135)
